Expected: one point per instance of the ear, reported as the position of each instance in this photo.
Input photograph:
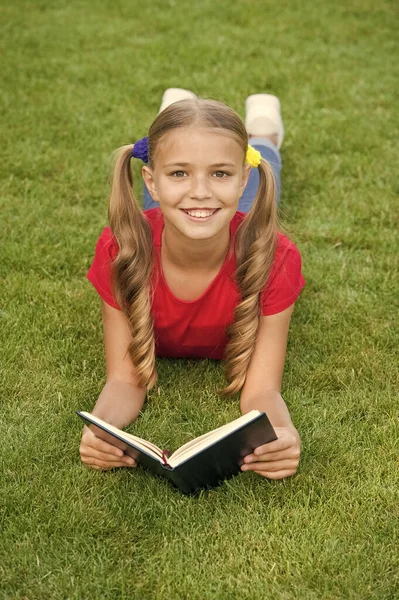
(148, 177)
(245, 176)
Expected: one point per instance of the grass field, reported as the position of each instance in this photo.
(81, 79)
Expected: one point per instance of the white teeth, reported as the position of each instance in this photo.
(200, 213)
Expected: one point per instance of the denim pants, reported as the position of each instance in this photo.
(269, 152)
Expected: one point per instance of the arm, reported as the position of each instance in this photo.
(121, 399)
(261, 391)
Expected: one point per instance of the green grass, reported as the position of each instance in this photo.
(78, 81)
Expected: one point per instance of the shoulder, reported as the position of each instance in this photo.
(286, 256)
(285, 280)
(285, 248)
(99, 273)
(107, 246)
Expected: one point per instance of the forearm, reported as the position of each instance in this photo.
(119, 403)
(270, 402)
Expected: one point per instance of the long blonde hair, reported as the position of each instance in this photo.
(254, 245)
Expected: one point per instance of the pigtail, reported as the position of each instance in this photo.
(132, 268)
(255, 247)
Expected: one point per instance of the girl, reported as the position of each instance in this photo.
(195, 277)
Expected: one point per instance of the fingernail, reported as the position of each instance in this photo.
(131, 461)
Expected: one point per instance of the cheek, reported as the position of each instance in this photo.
(171, 191)
(232, 189)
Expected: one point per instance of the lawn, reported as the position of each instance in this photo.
(81, 79)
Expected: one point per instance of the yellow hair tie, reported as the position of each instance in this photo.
(253, 157)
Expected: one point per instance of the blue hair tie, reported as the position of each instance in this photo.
(140, 150)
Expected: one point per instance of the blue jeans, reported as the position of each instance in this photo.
(269, 152)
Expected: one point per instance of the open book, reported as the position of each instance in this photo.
(200, 463)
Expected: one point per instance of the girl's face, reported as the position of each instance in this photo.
(198, 179)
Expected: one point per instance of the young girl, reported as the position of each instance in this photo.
(195, 277)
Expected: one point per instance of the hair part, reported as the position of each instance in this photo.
(209, 114)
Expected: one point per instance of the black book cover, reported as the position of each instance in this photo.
(210, 466)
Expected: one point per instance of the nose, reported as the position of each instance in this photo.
(200, 188)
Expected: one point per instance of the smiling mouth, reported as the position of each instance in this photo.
(200, 213)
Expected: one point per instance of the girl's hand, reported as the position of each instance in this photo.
(100, 455)
(277, 459)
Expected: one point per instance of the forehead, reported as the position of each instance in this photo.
(198, 145)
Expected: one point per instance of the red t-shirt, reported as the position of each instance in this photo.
(197, 328)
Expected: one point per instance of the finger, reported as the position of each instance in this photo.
(94, 442)
(291, 453)
(277, 475)
(88, 465)
(270, 466)
(98, 464)
(93, 467)
(89, 453)
(265, 450)
(277, 446)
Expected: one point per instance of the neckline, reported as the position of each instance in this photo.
(227, 261)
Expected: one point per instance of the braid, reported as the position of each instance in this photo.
(132, 269)
(255, 247)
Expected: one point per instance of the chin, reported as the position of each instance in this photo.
(205, 234)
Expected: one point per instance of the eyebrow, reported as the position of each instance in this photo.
(186, 164)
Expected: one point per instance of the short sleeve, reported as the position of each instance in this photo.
(285, 281)
(99, 273)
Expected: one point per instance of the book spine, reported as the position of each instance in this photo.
(178, 481)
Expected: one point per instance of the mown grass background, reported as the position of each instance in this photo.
(81, 79)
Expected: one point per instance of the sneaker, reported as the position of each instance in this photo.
(174, 95)
(263, 116)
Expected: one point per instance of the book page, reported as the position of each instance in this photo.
(139, 442)
(207, 439)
